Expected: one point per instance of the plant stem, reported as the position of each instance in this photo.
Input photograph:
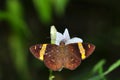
(51, 76)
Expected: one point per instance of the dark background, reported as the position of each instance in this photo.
(27, 22)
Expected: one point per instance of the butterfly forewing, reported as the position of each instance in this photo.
(89, 48)
(35, 50)
(76, 52)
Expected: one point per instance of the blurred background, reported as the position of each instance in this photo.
(24, 23)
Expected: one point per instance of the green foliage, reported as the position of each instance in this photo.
(2, 15)
(99, 67)
(97, 73)
(16, 41)
(60, 6)
(112, 67)
(45, 8)
(102, 74)
(51, 76)
(15, 17)
(19, 56)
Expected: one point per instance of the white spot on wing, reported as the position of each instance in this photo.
(57, 51)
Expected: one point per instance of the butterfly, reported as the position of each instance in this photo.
(57, 57)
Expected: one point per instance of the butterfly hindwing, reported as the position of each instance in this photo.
(73, 56)
(52, 57)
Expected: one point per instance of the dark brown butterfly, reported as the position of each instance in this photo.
(63, 56)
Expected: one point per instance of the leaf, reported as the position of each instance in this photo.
(112, 67)
(98, 77)
(60, 6)
(15, 17)
(19, 56)
(99, 66)
(3, 15)
(44, 9)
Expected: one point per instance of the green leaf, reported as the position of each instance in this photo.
(51, 76)
(99, 67)
(112, 67)
(44, 9)
(3, 15)
(98, 77)
(19, 56)
(60, 6)
(15, 17)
